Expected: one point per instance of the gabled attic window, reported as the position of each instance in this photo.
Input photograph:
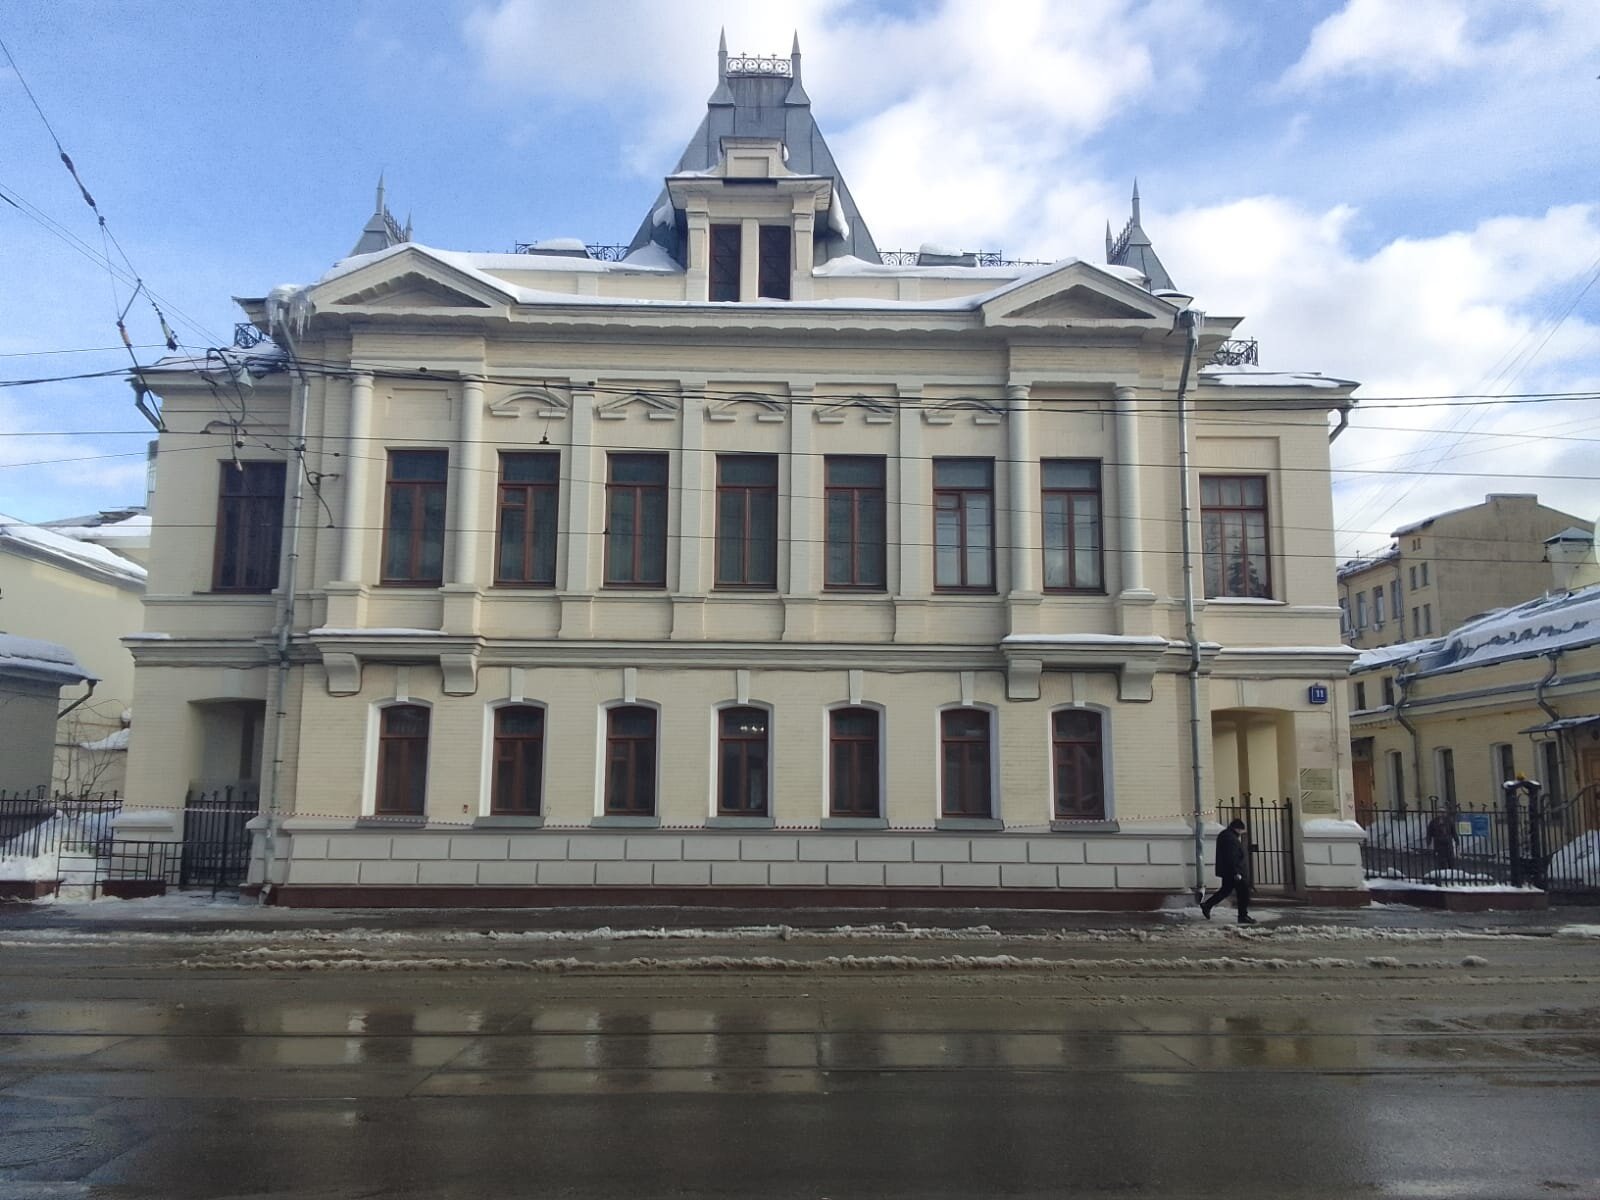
(724, 276)
(773, 276)
(773, 283)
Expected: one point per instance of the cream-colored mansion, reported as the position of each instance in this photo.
(740, 561)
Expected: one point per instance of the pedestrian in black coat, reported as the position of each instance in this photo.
(1233, 868)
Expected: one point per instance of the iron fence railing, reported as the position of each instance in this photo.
(1269, 839)
(36, 823)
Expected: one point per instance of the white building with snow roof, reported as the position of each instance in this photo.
(745, 561)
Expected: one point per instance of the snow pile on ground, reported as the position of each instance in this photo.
(1579, 931)
(1413, 885)
(1578, 860)
(32, 870)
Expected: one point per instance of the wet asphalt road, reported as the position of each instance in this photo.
(1188, 1061)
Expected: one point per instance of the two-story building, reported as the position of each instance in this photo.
(750, 562)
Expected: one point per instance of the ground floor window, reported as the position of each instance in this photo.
(402, 759)
(742, 762)
(965, 778)
(1077, 738)
(631, 761)
(518, 760)
(853, 756)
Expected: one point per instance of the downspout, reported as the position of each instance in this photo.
(1402, 682)
(1190, 320)
(284, 631)
(1344, 423)
(1549, 711)
(81, 700)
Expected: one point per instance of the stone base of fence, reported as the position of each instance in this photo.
(132, 889)
(1457, 900)
(27, 889)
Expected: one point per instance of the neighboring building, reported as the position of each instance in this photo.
(32, 674)
(60, 589)
(756, 559)
(1448, 569)
(125, 531)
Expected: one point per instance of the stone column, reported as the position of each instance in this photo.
(910, 496)
(467, 496)
(749, 259)
(1129, 531)
(1024, 523)
(357, 446)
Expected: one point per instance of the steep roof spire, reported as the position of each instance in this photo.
(1132, 248)
(381, 230)
(722, 93)
(797, 94)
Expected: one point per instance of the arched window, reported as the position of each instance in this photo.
(854, 754)
(402, 759)
(1077, 737)
(518, 761)
(631, 761)
(742, 757)
(964, 776)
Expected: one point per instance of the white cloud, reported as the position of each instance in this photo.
(1417, 39)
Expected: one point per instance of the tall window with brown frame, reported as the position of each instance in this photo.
(631, 761)
(1233, 536)
(1072, 539)
(518, 761)
(414, 510)
(402, 760)
(857, 531)
(636, 521)
(725, 246)
(747, 521)
(776, 247)
(963, 524)
(742, 754)
(965, 777)
(1077, 754)
(526, 528)
(855, 763)
(249, 527)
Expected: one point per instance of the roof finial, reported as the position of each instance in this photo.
(378, 207)
(1135, 199)
(795, 52)
(1109, 242)
(722, 51)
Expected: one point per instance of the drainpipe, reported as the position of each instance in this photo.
(1549, 711)
(1190, 320)
(1403, 683)
(1344, 423)
(284, 631)
(81, 700)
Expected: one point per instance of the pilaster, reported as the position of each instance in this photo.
(749, 259)
(357, 446)
(1024, 526)
(467, 498)
(1135, 602)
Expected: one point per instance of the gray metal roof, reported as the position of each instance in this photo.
(761, 97)
(1132, 248)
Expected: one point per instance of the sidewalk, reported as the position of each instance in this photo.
(193, 912)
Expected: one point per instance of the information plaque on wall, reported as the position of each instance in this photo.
(1317, 795)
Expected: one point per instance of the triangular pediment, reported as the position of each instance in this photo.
(651, 406)
(411, 278)
(1078, 294)
(411, 291)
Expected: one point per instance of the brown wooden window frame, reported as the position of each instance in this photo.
(1223, 524)
(420, 493)
(743, 501)
(775, 264)
(855, 759)
(249, 533)
(1071, 498)
(538, 503)
(1078, 761)
(962, 499)
(517, 781)
(402, 762)
(639, 754)
(724, 254)
(864, 553)
(745, 755)
(642, 495)
(966, 757)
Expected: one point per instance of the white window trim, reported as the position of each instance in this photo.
(827, 757)
(602, 728)
(486, 766)
(715, 754)
(369, 772)
(1108, 766)
(995, 806)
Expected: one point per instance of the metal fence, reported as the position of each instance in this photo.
(1553, 845)
(1269, 839)
(35, 823)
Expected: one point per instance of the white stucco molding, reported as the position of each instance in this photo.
(345, 651)
(1134, 659)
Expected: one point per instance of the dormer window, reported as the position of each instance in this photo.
(774, 276)
(774, 262)
(724, 268)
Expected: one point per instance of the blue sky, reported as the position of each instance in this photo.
(1396, 191)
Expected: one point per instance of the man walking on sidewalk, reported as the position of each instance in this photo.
(1233, 868)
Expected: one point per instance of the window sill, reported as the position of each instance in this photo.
(731, 822)
(854, 823)
(413, 585)
(509, 821)
(1082, 593)
(964, 593)
(1246, 601)
(1085, 827)
(511, 585)
(618, 821)
(969, 824)
(391, 820)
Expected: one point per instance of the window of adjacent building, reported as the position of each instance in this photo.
(526, 551)
(965, 780)
(742, 754)
(636, 521)
(857, 522)
(249, 527)
(1397, 779)
(1077, 756)
(1378, 613)
(723, 282)
(631, 761)
(1395, 604)
(773, 277)
(1344, 613)
(1388, 690)
(1233, 531)
(1361, 696)
(1427, 618)
(518, 760)
(1072, 543)
(1503, 761)
(747, 521)
(1445, 765)
(1413, 578)
(1361, 610)
(1550, 771)
(853, 756)
(402, 759)
(963, 524)
(1416, 619)
(413, 531)
(1416, 543)
(1424, 574)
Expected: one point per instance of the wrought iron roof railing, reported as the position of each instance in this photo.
(761, 64)
(1236, 352)
(246, 335)
(980, 258)
(602, 252)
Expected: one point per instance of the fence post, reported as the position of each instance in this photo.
(1513, 837)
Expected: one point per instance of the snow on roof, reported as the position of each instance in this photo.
(1522, 631)
(1355, 566)
(1245, 376)
(69, 552)
(561, 243)
(1570, 534)
(33, 656)
(263, 358)
(1385, 656)
(117, 739)
(130, 529)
